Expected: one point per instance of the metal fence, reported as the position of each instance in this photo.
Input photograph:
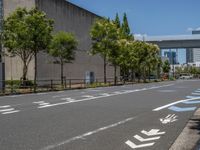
(19, 87)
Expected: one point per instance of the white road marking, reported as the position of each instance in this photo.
(141, 139)
(10, 112)
(134, 146)
(168, 119)
(79, 137)
(174, 103)
(152, 132)
(6, 106)
(44, 104)
(3, 110)
(118, 92)
(103, 96)
(195, 93)
(41, 93)
(57, 96)
(15, 96)
(87, 96)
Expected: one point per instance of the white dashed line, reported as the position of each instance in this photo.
(79, 137)
(103, 96)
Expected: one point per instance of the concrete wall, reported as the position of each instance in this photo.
(67, 17)
(71, 18)
(13, 66)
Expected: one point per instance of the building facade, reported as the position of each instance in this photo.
(67, 17)
(193, 54)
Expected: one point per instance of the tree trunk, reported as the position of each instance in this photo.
(149, 73)
(105, 80)
(115, 74)
(144, 75)
(25, 70)
(132, 75)
(61, 73)
(35, 73)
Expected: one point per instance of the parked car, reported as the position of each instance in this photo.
(186, 76)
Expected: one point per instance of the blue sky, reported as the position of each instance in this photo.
(151, 17)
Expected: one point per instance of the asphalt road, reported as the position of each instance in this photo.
(143, 116)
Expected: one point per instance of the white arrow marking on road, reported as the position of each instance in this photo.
(141, 139)
(152, 132)
(170, 118)
(134, 146)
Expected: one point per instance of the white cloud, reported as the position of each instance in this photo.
(190, 29)
(197, 28)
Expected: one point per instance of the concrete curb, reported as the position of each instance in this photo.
(190, 136)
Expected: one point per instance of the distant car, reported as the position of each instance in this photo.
(186, 77)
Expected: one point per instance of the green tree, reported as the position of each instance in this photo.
(125, 29)
(62, 48)
(39, 29)
(166, 66)
(16, 38)
(104, 35)
(117, 21)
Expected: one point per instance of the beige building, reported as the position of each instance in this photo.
(68, 17)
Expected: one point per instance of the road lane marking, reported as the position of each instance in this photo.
(192, 102)
(103, 95)
(10, 112)
(169, 119)
(3, 110)
(141, 139)
(192, 97)
(174, 103)
(5, 106)
(82, 136)
(181, 109)
(134, 146)
(87, 96)
(195, 93)
(152, 132)
(7, 109)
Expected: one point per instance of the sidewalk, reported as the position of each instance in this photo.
(189, 139)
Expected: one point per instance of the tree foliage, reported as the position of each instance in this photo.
(166, 67)
(26, 32)
(115, 43)
(16, 38)
(104, 34)
(62, 48)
